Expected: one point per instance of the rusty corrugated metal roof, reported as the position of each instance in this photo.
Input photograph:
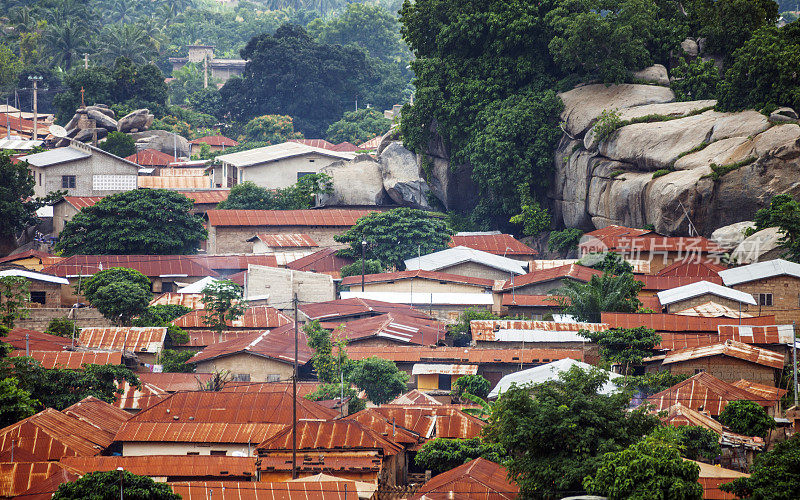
(215, 140)
(324, 217)
(486, 330)
(204, 338)
(73, 360)
(498, 244)
(765, 391)
(329, 435)
(149, 265)
(150, 158)
(704, 392)
(770, 334)
(25, 255)
(235, 262)
(322, 463)
(572, 271)
(414, 397)
(341, 309)
(395, 327)
(412, 354)
(44, 490)
(729, 348)
(668, 282)
(124, 338)
(37, 341)
(106, 417)
(418, 273)
(131, 398)
(287, 240)
(478, 479)
(171, 466)
(433, 421)
(713, 309)
(196, 432)
(386, 428)
(520, 300)
(692, 267)
(250, 490)
(679, 415)
(190, 300)
(51, 435)
(18, 477)
(322, 261)
(206, 196)
(277, 344)
(173, 382)
(677, 322)
(254, 317)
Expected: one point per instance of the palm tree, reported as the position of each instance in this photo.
(605, 293)
(66, 41)
(125, 40)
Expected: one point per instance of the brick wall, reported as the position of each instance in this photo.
(475, 270)
(233, 239)
(40, 317)
(785, 292)
(282, 284)
(259, 368)
(724, 368)
(686, 304)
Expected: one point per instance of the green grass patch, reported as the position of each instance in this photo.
(717, 171)
(616, 173)
(661, 172)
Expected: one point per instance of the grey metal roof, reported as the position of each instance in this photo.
(457, 255)
(550, 371)
(19, 144)
(56, 156)
(759, 270)
(277, 152)
(692, 290)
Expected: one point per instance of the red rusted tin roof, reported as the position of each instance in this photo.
(704, 392)
(204, 338)
(106, 417)
(395, 327)
(520, 300)
(251, 490)
(485, 330)
(385, 427)
(345, 147)
(124, 338)
(478, 479)
(572, 271)
(615, 231)
(689, 245)
(287, 240)
(433, 421)
(414, 398)
(426, 275)
(171, 466)
(37, 341)
(173, 382)
(341, 309)
(322, 261)
(197, 432)
(254, 317)
(322, 463)
(729, 348)
(44, 490)
(329, 217)
(150, 158)
(277, 344)
(498, 244)
(152, 266)
(132, 399)
(692, 267)
(677, 322)
(207, 196)
(411, 354)
(667, 282)
(18, 477)
(315, 143)
(51, 435)
(236, 262)
(315, 435)
(73, 360)
(215, 140)
(81, 202)
(25, 255)
(190, 300)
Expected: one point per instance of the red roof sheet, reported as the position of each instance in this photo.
(323, 261)
(228, 263)
(173, 382)
(25, 255)
(190, 300)
(729, 348)
(329, 435)
(37, 341)
(215, 140)
(520, 300)
(395, 327)
(81, 202)
(137, 339)
(498, 244)
(208, 196)
(251, 490)
(73, 360)
(204, 338)
(660, 283)
(149, 265)
(413, 354)
(51, 435)
(485, 329)
(690, 245)
(151, 158)
(323, 463)
(334, 310)
(295, 240)
(426, 275)
(132, 398)
(692, 267)
(433, 421)
(614, 231)
(329, 217)
(414, 397)
(277, 344)
(704, 392)
(345, 147)
(677, 322)
(45, 489)
(254, 317)
(315, 143)
(171, 466)
(197, 432)
(478, 479)
(386, 428)
(18, 477)
(105, 417)
(765, 391)
(574, 271)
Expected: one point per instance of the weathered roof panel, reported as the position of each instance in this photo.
(701, 288)
(124, 338)
(330, 217)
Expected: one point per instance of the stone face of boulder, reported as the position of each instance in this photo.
(787, 112)
(690, 47)
(761, 246)
(102, 108)
(401, 177)
(583, 105)
(102, 120)
(86, 134)
(163, 141)
(138, 120)
(730, 236)
(356, 182)
(656, 73)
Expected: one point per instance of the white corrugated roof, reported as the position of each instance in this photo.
(56, 156)
(700, 288)
(277, 152)
(759, 270)
(19, 144)
(443, 369)
(423, 299)
(197, 286)
(550, 371)
(34, 276)
(532, 336)
(457, 255)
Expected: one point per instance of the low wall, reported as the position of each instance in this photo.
(39, 317)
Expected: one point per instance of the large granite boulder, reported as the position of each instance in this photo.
(102, 120)
(87, 134)
(401, 177)
(136, 121)
(656, 73)
(355, 182)
(758, 247)
(102, 108)
(162, 140)
(730, 236)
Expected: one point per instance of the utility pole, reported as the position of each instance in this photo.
(85, 60)
(8, 126)
(294, 395)
(363, 246)
(794, 361)
(36, 80)
(205, 71)
(121, 475)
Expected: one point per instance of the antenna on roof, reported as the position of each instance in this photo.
(58, 131)
(692, 229)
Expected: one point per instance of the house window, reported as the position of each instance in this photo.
(39, 297)
(220, 453)
(765, 299)
(241, 377)
(444, 382)
(273, 377)
(40, 178)
(193, 453)
(303, 174)
(68, 181)
(167, 286)
(698, 370)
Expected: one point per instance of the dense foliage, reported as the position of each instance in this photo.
(606, 293)
(476, 385)
(61, 327)
(587, 426)
(249, 196)
(119, 144)
(783, 212)
(359, 126)
(119, 293)
(625, 346)
(370, 266)
(441, 454)
(271, 129)
(774, 475)
(223, 302)
(747, 418)
(379, 378)
(106, 486)
(173, 361)
(14, 299)
(460, 331)
(15, 403)
(396, 235)
(328, 392)
(328, 364)
(138, 222)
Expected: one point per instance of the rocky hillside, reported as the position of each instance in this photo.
(660, 160)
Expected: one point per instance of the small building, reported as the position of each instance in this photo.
(203, 55)
(496, 243)
(146, 342)
(33, 260)
(516, 334)
(391, 329)
(775, 284)
(332, 313)
(446, 307)
(324, 261)
(280, 286)
(273, 167)
(214, 142)
(229, 230)
(285, 247)
(729, 361)
(548, 372)
(548, 280)
(463, 261)
(45, 289)
(418, 281)
(701, 292)
(81, 170)
(475, 480)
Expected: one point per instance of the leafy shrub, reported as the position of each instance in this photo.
(62, 327)
(476, 385)
(695, 80)
(747, 417)
(607, 123)
(566, 239)
(661, 172)
(717, 171)
(371, 266)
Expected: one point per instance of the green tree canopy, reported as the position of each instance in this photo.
(120, 144)
(174, 361)
(106, 486)
(460, 332)
(559, 436)
(476, 385)
(747, 418)
(369, 26)
(14, 298)
(224, 302)
(650, 468)
(371, 266)
(359, 126)
(142, 221)
(441, 454)
(328, 365)
(118, 293)
(61, 327)
(775, 475)
(250, 196)
(15, 403)
(396, 235)
(606, 293)
(626, 346)
(783, 212)
(379, 378)
(271, 129)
